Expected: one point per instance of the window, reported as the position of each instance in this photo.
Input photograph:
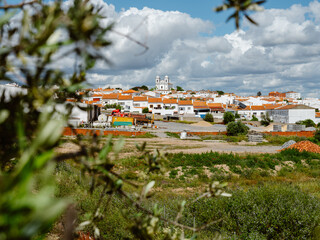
(189, 108)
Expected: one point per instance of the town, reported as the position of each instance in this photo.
(165, 102)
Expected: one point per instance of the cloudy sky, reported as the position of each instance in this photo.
(197, 50)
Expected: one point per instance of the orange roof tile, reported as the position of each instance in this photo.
(140, 99)
(257, 108)
(155, 100)
(130, 91)
(125, 97)
(71, 100)
(108, 89)
(200, 104)
(170, 101)
(317, 114)
(185, 102)
(215, 105)
(111, 96)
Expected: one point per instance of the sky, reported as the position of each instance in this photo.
(194, 46)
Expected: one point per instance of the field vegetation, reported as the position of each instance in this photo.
(274, 196)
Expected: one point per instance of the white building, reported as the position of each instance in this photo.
(292, 94)
(293, 113)
(163, 85)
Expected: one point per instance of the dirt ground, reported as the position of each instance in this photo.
(173, 145)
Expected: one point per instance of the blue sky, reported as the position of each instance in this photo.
(202, 9)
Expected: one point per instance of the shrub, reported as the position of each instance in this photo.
(307, 122)
(145, 110)
(208, 117)
(237, 115)
(254, 118)
(265, 120)
(317, 135)
(236, 129)
(228, 117)
(271, 212)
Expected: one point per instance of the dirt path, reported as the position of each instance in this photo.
(189, 146)
(173, 145)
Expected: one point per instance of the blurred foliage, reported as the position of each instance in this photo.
(241, 7)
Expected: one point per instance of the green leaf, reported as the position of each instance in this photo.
(6, 17)
(147, 188)
(4, 114)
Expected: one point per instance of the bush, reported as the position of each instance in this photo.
(254, 118)
(271, 212)
(237, 115)
(265, 120)
(236, 129)
(317, 135)
(307, 122)
(145, 110)
(228, 117)
(208, 117)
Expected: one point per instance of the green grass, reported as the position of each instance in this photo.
(225, 138)
(171, 134)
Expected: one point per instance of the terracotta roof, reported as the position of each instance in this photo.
(317, 114)
(257, 108)
(111, 96)
(292, 106)
(155, 100)
(71, 100)
(271, 106)
(125, 97)
(108, 89)
(140, 99)
(215, 105)
(96, 95)
(199, 104)
(170, 101)
(130, 91)
(185, 102)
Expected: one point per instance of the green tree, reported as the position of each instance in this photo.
(307, 123)
(228, 117)
(145, 110)
(220, 92)
(208, 117)
(265, 120)
(259, 94)
(236, 129)
(144, 87)
(254, 118)
(179, 88)
(237, 115)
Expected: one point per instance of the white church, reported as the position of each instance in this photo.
(163, 85)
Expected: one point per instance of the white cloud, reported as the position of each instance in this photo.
(282, 53)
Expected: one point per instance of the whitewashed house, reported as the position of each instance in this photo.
(293, 113)
(139, 103)
(126, 102)
(185, 107)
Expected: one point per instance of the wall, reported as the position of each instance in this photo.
(299, 134)
(82, 131)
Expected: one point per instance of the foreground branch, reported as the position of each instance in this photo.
(19, 5)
